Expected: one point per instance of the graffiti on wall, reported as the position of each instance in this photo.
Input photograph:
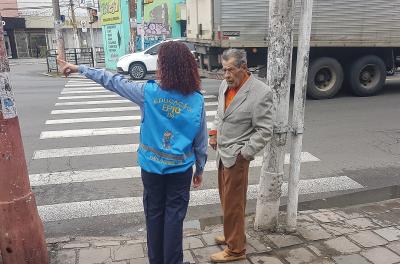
(156, 29)
(156, 26)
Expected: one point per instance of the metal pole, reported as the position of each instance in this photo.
(303, 56)
(281, 20)
(133, 27)
(93, 47)
(21, 230)
(74, 25)
(143, 33)
(58, 30)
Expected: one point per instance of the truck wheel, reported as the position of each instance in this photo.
(137, 71)
(367, 75)
(325, 78)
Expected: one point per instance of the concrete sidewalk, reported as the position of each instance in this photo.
(368, 233)
(27, 61)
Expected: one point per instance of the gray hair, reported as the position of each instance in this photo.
(239, 55)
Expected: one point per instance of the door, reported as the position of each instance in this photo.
(8, 46)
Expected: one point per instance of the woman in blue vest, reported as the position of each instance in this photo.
(173, 137)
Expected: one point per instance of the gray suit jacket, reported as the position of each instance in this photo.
(247, 124)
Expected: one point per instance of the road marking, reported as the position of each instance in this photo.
(109, 109)
(84, 151)
(86, 92)
(83, 85)
(53, 178)
(122, 101)
(88, 97)
(92, 119)
(127, 205)
(90, 132)
(81, 81)
(112, 149)
(83, 89)
(95, 110)
(110, 96)
(103, 119)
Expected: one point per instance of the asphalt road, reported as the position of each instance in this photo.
(350, 144)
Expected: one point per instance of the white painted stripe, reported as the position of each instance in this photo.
(83, 89)
(84, 151)
(95, 110)
(109, 109)
(53, 178)
(113, 149)
(92, 119)
(122, 101)
(88, 96)
(101, 88)
(86, 92)
(82, 85)
(103, 119)
(92, 132)
(74, 210)
(81, 81)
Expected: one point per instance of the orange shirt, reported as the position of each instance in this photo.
(229, 95)
(231, 92)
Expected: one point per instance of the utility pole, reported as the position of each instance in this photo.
(91, 21)
(281, 21)
(143, 27)
(303, 56)
(74, 25)
(21, 230)
(58, 29)
(133, 25)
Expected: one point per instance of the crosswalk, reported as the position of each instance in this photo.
(90, 122)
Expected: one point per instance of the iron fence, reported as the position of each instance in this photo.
(75, 56)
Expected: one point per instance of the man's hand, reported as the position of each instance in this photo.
(213, 142)
(197, 180)
(66, 68)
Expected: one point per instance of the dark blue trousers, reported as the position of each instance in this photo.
(165, 200)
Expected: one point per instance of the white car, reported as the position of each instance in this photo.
(138, 64)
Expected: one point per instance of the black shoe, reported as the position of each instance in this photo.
(186, 262)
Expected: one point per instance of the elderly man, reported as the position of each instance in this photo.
(241, 129)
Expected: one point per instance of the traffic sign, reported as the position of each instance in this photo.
(86, 3)
(83, 24)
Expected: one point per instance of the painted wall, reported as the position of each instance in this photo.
(159, 21)
(116, 30)
(8, 4)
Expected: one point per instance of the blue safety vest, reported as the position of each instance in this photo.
(170, 123)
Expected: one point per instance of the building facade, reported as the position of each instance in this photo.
(116, 28)
(12, 23)
(158, 20)
(29, 27)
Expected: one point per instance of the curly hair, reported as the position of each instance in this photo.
(177, 68)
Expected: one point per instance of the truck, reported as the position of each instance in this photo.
(354, 44)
